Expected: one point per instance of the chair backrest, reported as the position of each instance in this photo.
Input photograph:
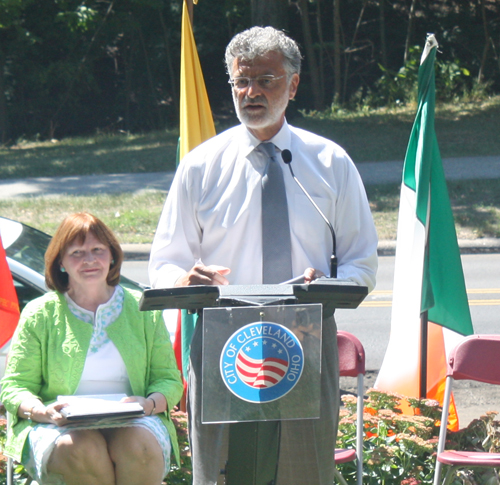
(476, 358)
(351, 355)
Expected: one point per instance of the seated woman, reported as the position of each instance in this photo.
(89, 337)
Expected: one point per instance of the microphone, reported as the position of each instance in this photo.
(286, 155)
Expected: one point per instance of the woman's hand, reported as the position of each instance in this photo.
(155, 403)
(39, 413)
(51, 414)
(148, 407)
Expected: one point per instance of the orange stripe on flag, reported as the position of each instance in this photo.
(436, 371)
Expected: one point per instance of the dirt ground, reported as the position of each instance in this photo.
(472, 399)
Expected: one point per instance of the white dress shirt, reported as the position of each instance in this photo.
(213, 210)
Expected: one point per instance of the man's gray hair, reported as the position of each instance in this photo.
(259, 41)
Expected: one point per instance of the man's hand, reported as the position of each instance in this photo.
(204, 275)
(310, 274)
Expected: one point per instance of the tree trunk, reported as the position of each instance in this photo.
(314, 75)
(336, 51)
(171, 73)
(270, 12)
(353, 43)
(487, 40)
(53, 123)
(321, 69)
(155, 106)
(3, 104)
(409, 31)
(383, 46)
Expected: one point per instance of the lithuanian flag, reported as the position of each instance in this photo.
(430, 310)
(196, 126)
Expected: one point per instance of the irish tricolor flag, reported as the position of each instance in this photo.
(430, 310)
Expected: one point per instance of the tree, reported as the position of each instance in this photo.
(13, 36)
(270, 13)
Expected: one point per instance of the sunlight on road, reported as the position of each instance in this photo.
(383, 298)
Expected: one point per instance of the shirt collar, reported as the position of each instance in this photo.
(282, 139)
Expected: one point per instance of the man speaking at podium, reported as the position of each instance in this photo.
(235, 215)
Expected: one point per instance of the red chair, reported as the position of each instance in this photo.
(475, 358)
(352, 364)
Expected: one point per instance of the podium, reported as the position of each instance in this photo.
(330, 292)
(261, 360)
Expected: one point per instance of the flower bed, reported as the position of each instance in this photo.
(398, 449)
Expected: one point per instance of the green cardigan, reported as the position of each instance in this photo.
(49, 349)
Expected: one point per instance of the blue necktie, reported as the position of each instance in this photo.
(276, 245)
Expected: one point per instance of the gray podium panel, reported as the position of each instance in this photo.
(261, 363)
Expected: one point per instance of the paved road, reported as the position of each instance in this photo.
(371, 173)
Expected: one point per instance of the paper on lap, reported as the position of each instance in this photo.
(99, 407)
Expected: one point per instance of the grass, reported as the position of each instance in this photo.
(133, 217)
(475, 205)
(100, 154)
(463, 129)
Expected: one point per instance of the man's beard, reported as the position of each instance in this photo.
(269, 116)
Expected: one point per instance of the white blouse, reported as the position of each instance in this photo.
(104, 371)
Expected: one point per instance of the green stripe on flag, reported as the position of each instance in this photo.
(444, 293)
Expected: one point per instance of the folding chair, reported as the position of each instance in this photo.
(352, 364)
(10, 461)
(475, 358)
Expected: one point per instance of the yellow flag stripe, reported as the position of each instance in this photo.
(196, 121)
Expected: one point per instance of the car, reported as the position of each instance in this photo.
(25, 248)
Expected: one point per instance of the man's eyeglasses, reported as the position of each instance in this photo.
(264, 82)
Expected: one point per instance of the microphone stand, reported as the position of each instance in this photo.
(287, 158)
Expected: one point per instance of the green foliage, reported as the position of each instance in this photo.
(182, 474)
(69, 67)
(79, 19)
(400, 88)
(397, 448)
(400, 449)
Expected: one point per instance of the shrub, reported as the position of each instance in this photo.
(400, 449)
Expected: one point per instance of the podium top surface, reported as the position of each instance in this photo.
(333, 293)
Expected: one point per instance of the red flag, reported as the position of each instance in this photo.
(9, 306)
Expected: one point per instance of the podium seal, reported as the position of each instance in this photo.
(261, 362)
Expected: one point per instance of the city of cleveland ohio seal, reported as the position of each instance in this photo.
(261, 362)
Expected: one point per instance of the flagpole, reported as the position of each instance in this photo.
(424, 320)
(189, 4)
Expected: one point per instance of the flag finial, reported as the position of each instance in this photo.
(430, 43)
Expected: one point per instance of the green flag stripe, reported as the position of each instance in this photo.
(444, 293)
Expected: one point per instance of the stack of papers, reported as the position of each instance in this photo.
(107, 406)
